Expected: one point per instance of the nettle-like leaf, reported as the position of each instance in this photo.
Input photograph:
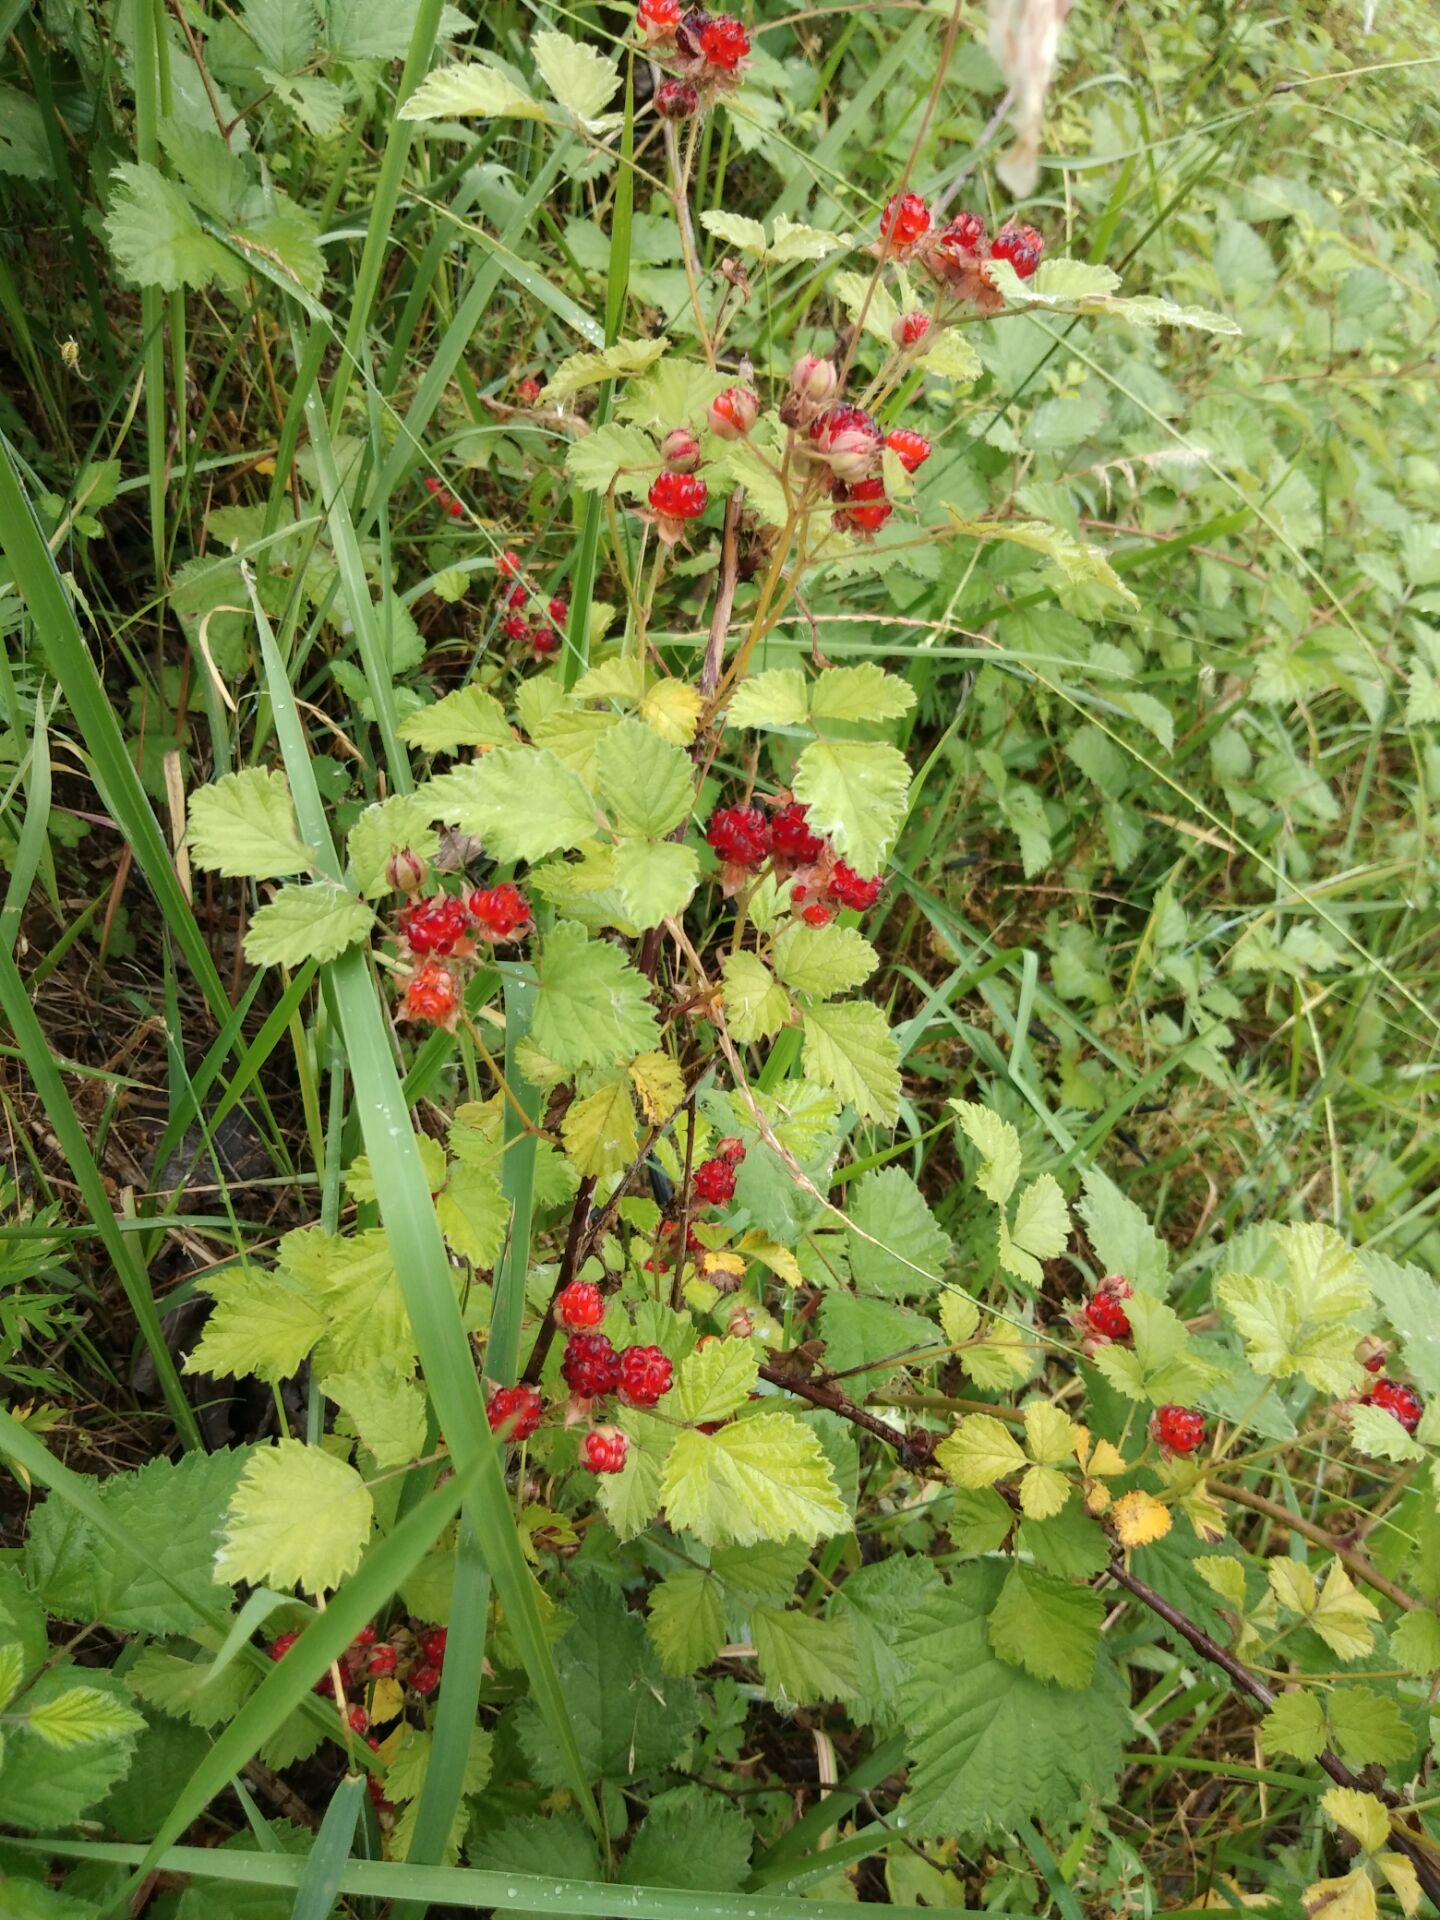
(156, 236)
(982, 1450)
(243, 826)
(777, 699)
(855, 793)
(1047, 1626)
(1305, 1323)
(524, 802)
(622, 361)
(1161, 1365)
(805, 1659)
(897, 1247)
(686, 1620)
(396, 825)
(656, 878)
(847, 1046)
(299, 1518)
(469, 717)
(764, 1477)
(455, 93)
(593, 1008)
(311, 922)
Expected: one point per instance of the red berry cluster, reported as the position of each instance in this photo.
(846, 452)
(706, 50)
(1177, 1429)
(746, 838)
(444, 926)
(956, 255)
(1395, 1397)
(443, 497)
(664, 1239)
(414, 1654)
(593, 1368)
(527, 619)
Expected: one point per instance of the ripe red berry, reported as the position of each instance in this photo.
(500, 911)
(433, 1643)
(425, 1679)
(658, 19)
(733, 413)
(911, 449)
(910, 329)
(604, 1450)
(848, 440)
(591, 1365)
(678, 496)
(863, 508)
(1105, 1315)
(645, 1373)
(1393, 1396)
(724, 42)
(383, 1660)
(714, 1181)
(518, 596)
(558, 609)
(364, 1638)
(527, 392)
(432, 994)
(905, 220)
(282, 1644)
(817, 916)
(434, 925)
(1021, 246)
(508, 565)
(730, 1149)
(359, 1719)
(1177, 1429)
(516, 627)
(740, 835)
(580, 1305)
(543, 639)
(962, 240)
(850, 890)
(676, 100)
(514, 1412)
(791, 840)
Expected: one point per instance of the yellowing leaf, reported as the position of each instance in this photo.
(1292, 1584)
(80, 1717)
(1361, 1815)
(1139, 1518)
(1342, 1614)
(469, 717)
(1349, 1898)
(387, 1408)
(1043, 1492)
(1305, 1323)
(1051, 1436)
(1105, 1460)
(959, 1316)
(672, 709)
(659, 1085)
(780, 1260)
(999, 1146)
(599, 1131)
(779, 697)
(981, 1451)
(1404, 1881)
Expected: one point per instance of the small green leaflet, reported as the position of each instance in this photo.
(999, 1146)
(1078, 286)
(580, 77)
(756, 1006)
(1123, 1239)
(613, 455)
(261, 1323)
(1161, 1364)
(862, 293)
(80, 1717)
(764, 1477)
(713, 1382)
(469, 717)
(156, 238)
(777, 698)
(299, 1518)
(243, 826)
(524, 802)
(789, 242)
(861, 694)
(314, 922)
(848, 1047)
(624, 359)
(593, 1008)
(387, 1408)
(1295, 1725)
(647, 785)
(686, 1621)
(1039, 1232)
(855, 793)
(913, 1249)
(823, 961)
(656, 878)
(477, 88)
(1379, 1434)
(1077, 560)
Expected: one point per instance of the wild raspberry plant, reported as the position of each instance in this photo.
(734, 1298)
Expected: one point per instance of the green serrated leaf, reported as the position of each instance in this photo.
(81, 1717)
(1415, 1641)
(317, 921)
(1047, 1626)
(613, 455)
(779, 697)
(454, 93)
(690, 1839)
(646, 784)
(593, 1008)
(299, 1518)
(1295, 1725)
(686, 1620)
(823, 961)
(469, 717)
(387, 1407)
(243, 826)
(980, 1451)
(399, 824)
(157, 239)
(1123, 1239)
(913, 1248)
(621, 361)
(1039, 1232)
(863, 693)
(261, 1323)
(524, 802)
(12, 1670)
(581, 78)
(999, 1146)
(1305, 1323)
(804, 1660)
(848, 1047)
(761, 1478)
(855, 793)
(656, 878)
(473, 1212)
(756, 1006)
(1367, 1727)
(713, 1382)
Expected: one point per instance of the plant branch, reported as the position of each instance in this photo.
(724, 595)
(569, 1262)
